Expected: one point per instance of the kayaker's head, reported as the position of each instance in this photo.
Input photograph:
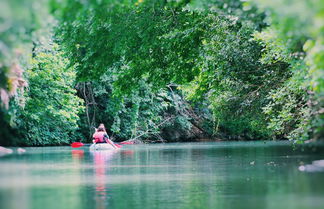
(101, 129)
(101, 125)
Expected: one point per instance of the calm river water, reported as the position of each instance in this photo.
(188, 175)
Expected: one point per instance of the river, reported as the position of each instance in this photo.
(161, 176)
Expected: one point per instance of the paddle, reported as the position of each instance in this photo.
(77, 144)
(127, 142)
(118, 145)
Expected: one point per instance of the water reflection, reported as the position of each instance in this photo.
(102, 160)
(77, 154)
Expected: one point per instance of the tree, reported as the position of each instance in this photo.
(19, 21)
(50, 115)
(296, 36)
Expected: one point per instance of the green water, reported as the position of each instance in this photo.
(188, 175)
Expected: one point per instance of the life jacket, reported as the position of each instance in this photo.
(99, 137)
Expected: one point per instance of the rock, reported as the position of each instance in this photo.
(316, 166)
(318, 163)
(5, 151)
(21, 150)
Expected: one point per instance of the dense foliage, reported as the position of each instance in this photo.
(50, 115)
(215, 51)
(171, 70)
(142, 114)
(164, 44)
(18, 23)
(296, 36)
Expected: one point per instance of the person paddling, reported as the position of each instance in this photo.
(101, 136)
